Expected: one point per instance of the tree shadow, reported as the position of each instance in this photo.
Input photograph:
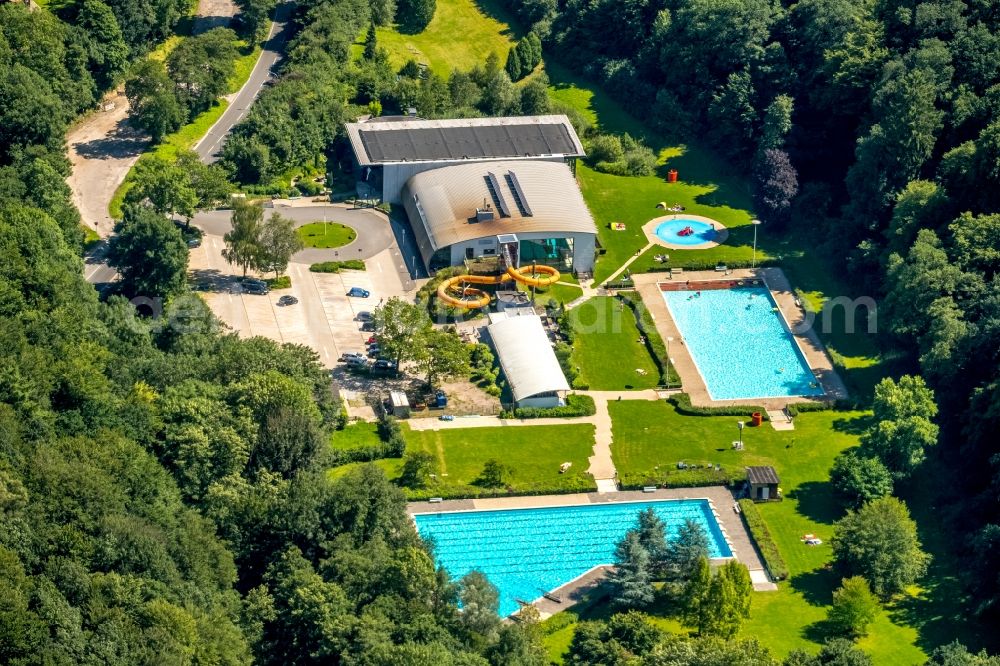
(821, 631)
(855, 425)
(816, 586)
(122, 142)
(212, 280)
(815, 501)
(496, 10)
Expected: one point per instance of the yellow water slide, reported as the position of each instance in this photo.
(456, 292)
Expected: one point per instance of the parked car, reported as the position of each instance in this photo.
(368, 326)
(372, 340)
(254, 286)
(364, 315)
(358, 292)
(356, 362)
(194, 242)
(374, 351)
(349, 355)
(446, 417)
(287, 299)
(384, 366)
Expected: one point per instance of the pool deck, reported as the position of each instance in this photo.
(650, 230)
(647, 284)
(722, 503)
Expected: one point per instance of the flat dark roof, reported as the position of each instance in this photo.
(762, 475)
(454, 143)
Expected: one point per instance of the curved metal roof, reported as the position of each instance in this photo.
(526, 357)
(526, 197)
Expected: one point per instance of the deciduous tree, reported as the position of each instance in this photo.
(149, 254)
(854, 607)
(278, 242)
(858, 479)
(880, 543)
(243, 240)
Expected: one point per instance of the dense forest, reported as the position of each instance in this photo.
(161, 481)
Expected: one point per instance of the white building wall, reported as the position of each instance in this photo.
(545, 402)
(583, 247)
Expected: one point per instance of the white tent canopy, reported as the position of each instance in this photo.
(526, 357)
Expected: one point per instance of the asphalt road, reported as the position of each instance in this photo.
(374, 233)
(210, 146)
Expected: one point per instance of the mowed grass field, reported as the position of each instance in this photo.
(326, 234)
(606, 347)
(533, 453)
(460, 36)
(647, 434)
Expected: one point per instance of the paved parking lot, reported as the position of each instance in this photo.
(325, 318)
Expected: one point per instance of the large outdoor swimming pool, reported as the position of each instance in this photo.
(740, 344)
(526, 552)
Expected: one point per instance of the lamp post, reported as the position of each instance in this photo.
(740, 424)
(753, 262)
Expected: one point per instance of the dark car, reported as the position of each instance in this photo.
(358, 292)
(384, 366)
(374, 351)
(287, 300)
(252, 286)
(364, 315)
(194, 242)
(368, 326)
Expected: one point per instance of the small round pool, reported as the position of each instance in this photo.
(683, 231)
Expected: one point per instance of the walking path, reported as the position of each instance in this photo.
(621, 269)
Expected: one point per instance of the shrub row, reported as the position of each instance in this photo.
(762, 538)
(654, 343)
(694, 264)
(576, 405)
(682, 403)
(337, 266)
(680, 478)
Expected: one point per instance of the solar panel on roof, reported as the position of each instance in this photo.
(519, 197)
(445, 143)
(494, 186)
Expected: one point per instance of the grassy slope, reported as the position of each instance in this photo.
(187, 136)
(606, 347)
(459, 36)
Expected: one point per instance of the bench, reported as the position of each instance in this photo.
(436, 500)
(649, 489)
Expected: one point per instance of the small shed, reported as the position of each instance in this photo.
(399, 405)
(763, 482)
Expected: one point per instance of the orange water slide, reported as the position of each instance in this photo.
(454, 292)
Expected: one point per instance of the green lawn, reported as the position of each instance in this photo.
(606, 347)
(460, 36)
(561, 293)
(356, 435)
(326, 234)
(533, 452)
(648, 434)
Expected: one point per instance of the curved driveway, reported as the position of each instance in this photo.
(374, 232)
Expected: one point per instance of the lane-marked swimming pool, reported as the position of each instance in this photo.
(527, 552)
(740, 343)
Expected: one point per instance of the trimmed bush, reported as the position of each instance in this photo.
(392, 446)
(682, 403)
(761, 536)
(695, 264)
(337, 266)
(283, 282)
(576, 405)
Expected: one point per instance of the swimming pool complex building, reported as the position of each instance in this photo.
(470, 184)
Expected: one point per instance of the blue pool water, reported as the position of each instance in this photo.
(740, 344)
(526, 552)
(669, 231)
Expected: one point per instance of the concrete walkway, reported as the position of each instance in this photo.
(621, 269)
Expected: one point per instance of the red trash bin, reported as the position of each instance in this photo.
(756, 419)
(672, 176)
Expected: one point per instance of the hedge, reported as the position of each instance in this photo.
(682, 403)
(654, 343)
(283, 282)
(337, 266)
(761, 536)
(576, 405)
(703, 475)
(692, 264)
